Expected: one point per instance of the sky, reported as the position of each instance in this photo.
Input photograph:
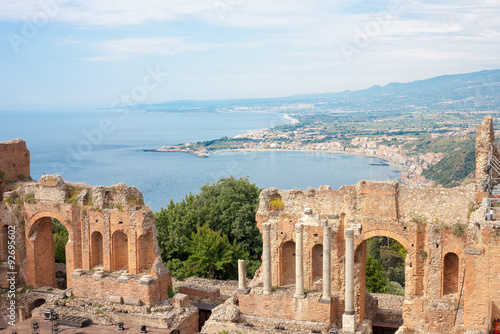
(104, 53)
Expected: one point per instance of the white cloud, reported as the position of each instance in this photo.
(128, 48)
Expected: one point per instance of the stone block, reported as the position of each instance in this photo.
(11, 194)
(124, 278)
(77, 273)
(115, 299)
(199, 291)
(132, 301)
(349, 323)
(98, 275)
(146, 280)
(52, 181)
(180, 300)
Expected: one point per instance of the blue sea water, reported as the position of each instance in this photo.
(107, 147)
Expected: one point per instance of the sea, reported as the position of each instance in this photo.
(106, 147)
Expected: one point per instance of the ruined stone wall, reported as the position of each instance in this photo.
(282, 305)
(109, 229)
(484, 145)
(14, 159)
(421, 219)
(389, 302)
(101, 289)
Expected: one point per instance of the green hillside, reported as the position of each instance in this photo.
(455, 167)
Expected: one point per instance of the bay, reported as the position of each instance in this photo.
(107, 147)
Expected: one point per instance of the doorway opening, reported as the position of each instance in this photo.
(385, 268)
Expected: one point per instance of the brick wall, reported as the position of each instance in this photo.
(86, 286)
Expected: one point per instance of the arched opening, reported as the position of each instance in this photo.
(120, 251)
(48, 241)
(384, 270)
(43, 252)
(60, 238)
(317, 264)
(146, 253)
(450, 273)
(96, 246)
(36, 303)
(4, 242)
(288, 263)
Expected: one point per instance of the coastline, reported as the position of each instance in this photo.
(205, 153)
(290, 118)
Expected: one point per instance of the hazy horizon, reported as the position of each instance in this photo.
(59, 53)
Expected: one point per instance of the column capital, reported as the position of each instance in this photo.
(266, 226)
(349, 233)
(299, 228)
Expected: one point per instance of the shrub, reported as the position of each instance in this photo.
(394, 288)
(133, 199)
(458, 229)
(72, 193)
(276, 205)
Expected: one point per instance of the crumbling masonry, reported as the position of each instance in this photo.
(312, 276)
(112, 249)
(314, 252)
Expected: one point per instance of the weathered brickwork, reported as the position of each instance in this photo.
(109, 285)
(452, 283)
(109, 230)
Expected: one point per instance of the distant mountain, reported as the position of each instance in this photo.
(477, 91)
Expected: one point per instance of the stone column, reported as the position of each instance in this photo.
(349, 317)
(266, 254)
(242, 277)
(326, 297)
(299, 262)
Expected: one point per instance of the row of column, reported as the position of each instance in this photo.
(348, 319)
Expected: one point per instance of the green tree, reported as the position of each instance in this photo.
(373, 245)
(376, 280)
(389, 258)
(229, 206)
(212, 255)
(60, 236)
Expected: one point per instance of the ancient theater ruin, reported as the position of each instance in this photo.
(312, 277)
(112, 253)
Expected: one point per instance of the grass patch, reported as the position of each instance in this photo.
(135, 200)
(30, 198)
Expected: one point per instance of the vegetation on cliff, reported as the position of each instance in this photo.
(222, 213)
(454, 168)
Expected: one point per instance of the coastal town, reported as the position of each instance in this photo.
(392, 148)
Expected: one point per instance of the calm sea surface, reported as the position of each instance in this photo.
(105, 148)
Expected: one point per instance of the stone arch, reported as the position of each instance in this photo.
(145, 252)
(360, 263)
(36, 303)
(287, 263)
(4, 242)
(384, 233)
(44, 269)
(317, 262)
(450, 273)
(96, 250)
(36, 217)
(40, 249)
(120, 251)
